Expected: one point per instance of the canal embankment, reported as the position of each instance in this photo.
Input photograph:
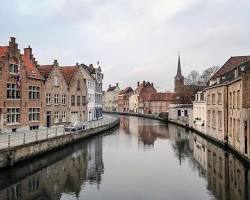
(213, 140)
(29, 149)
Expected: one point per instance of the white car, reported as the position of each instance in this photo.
(75, 126)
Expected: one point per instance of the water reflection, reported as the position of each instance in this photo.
(77, 172)
(49, 177)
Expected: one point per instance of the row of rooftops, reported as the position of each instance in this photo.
(34, 70)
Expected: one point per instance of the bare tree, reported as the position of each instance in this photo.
(192, 78)
(207, 74)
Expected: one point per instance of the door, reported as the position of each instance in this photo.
(48, 119)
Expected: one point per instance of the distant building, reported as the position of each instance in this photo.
(200, 111)
(181, 113)
(159, 103)
(185, 94)
(111, 98)
(123, 99)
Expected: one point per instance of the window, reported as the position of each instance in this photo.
(64, 99)
(12, 91)
(13, 68)
(13, 115)
(56, 117)
(185, 113)
(34, 92)
(219, 98)
(34, 114)
(64, 119)
(83, 100)
(220, 120)
(72, 100)
(238, 99)
(78, 85)
(179, 113)
(78, 100)
(56, 83)
(234, 99)
(48, 99)
(213, 99)
(230, 100)
(238, 130)
(230, 126)
(56, 99)
(208, 99)
(213, 119)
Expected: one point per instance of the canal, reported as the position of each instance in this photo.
(142, 159)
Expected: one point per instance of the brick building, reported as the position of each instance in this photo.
(228, 104)
(22, 90)
(56, 95)
(77, 92)
(159, 103)
(123, 99)
(110, 98)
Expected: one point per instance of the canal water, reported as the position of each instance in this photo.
(143, 159)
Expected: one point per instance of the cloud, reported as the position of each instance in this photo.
(134, 40)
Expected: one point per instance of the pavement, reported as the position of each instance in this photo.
(25, 137)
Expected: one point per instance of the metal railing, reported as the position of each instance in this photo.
(20, 138)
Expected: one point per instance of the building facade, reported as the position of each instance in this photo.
(123, 99)
(200, 111)
(111, 98)
(56, 95)
(181, 113)
(22, 90)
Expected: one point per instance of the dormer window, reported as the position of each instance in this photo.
(218, 80)
(13, 68)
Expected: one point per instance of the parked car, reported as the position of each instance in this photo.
(75, 126)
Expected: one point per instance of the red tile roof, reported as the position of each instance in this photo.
(68, 72)
(230, 65)
(167, 96)
(31, 68)
(3, 50)
(45, 70)
(126, 90)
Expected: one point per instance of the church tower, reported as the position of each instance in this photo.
(178, 79)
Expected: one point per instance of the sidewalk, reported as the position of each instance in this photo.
(24, 137)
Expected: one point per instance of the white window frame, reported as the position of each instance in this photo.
(64, 99)
(64, 116)
(34, 114)
(13, 115)
(34, 92)
(56, 116)
(13, 68)
(13, 90)
(56, 99)
(48, 99)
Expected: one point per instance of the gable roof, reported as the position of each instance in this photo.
(233, 62)
(112, 88)
(31, 68)
(68, 72)
(3, 50)
(126, 90)
(45, 70)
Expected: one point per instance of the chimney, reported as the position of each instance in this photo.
(116, 84)
(77, 64)
(138, 83)
(13, 40)
(152, 84)
(28, 52)
(144, 83)
(109, 86)
(55, 63)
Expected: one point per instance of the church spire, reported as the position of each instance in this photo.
(179, 75)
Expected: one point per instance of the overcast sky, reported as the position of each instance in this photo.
(134, 40)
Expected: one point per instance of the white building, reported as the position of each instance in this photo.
(94, 77)
(181, 114)
(111, 98)
(199, 112)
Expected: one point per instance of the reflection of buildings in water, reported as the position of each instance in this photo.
(180, 143)
(149, 133)
(64, 176)
(124, 124)
(226, 176)
(95, 167)
(200, 150)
